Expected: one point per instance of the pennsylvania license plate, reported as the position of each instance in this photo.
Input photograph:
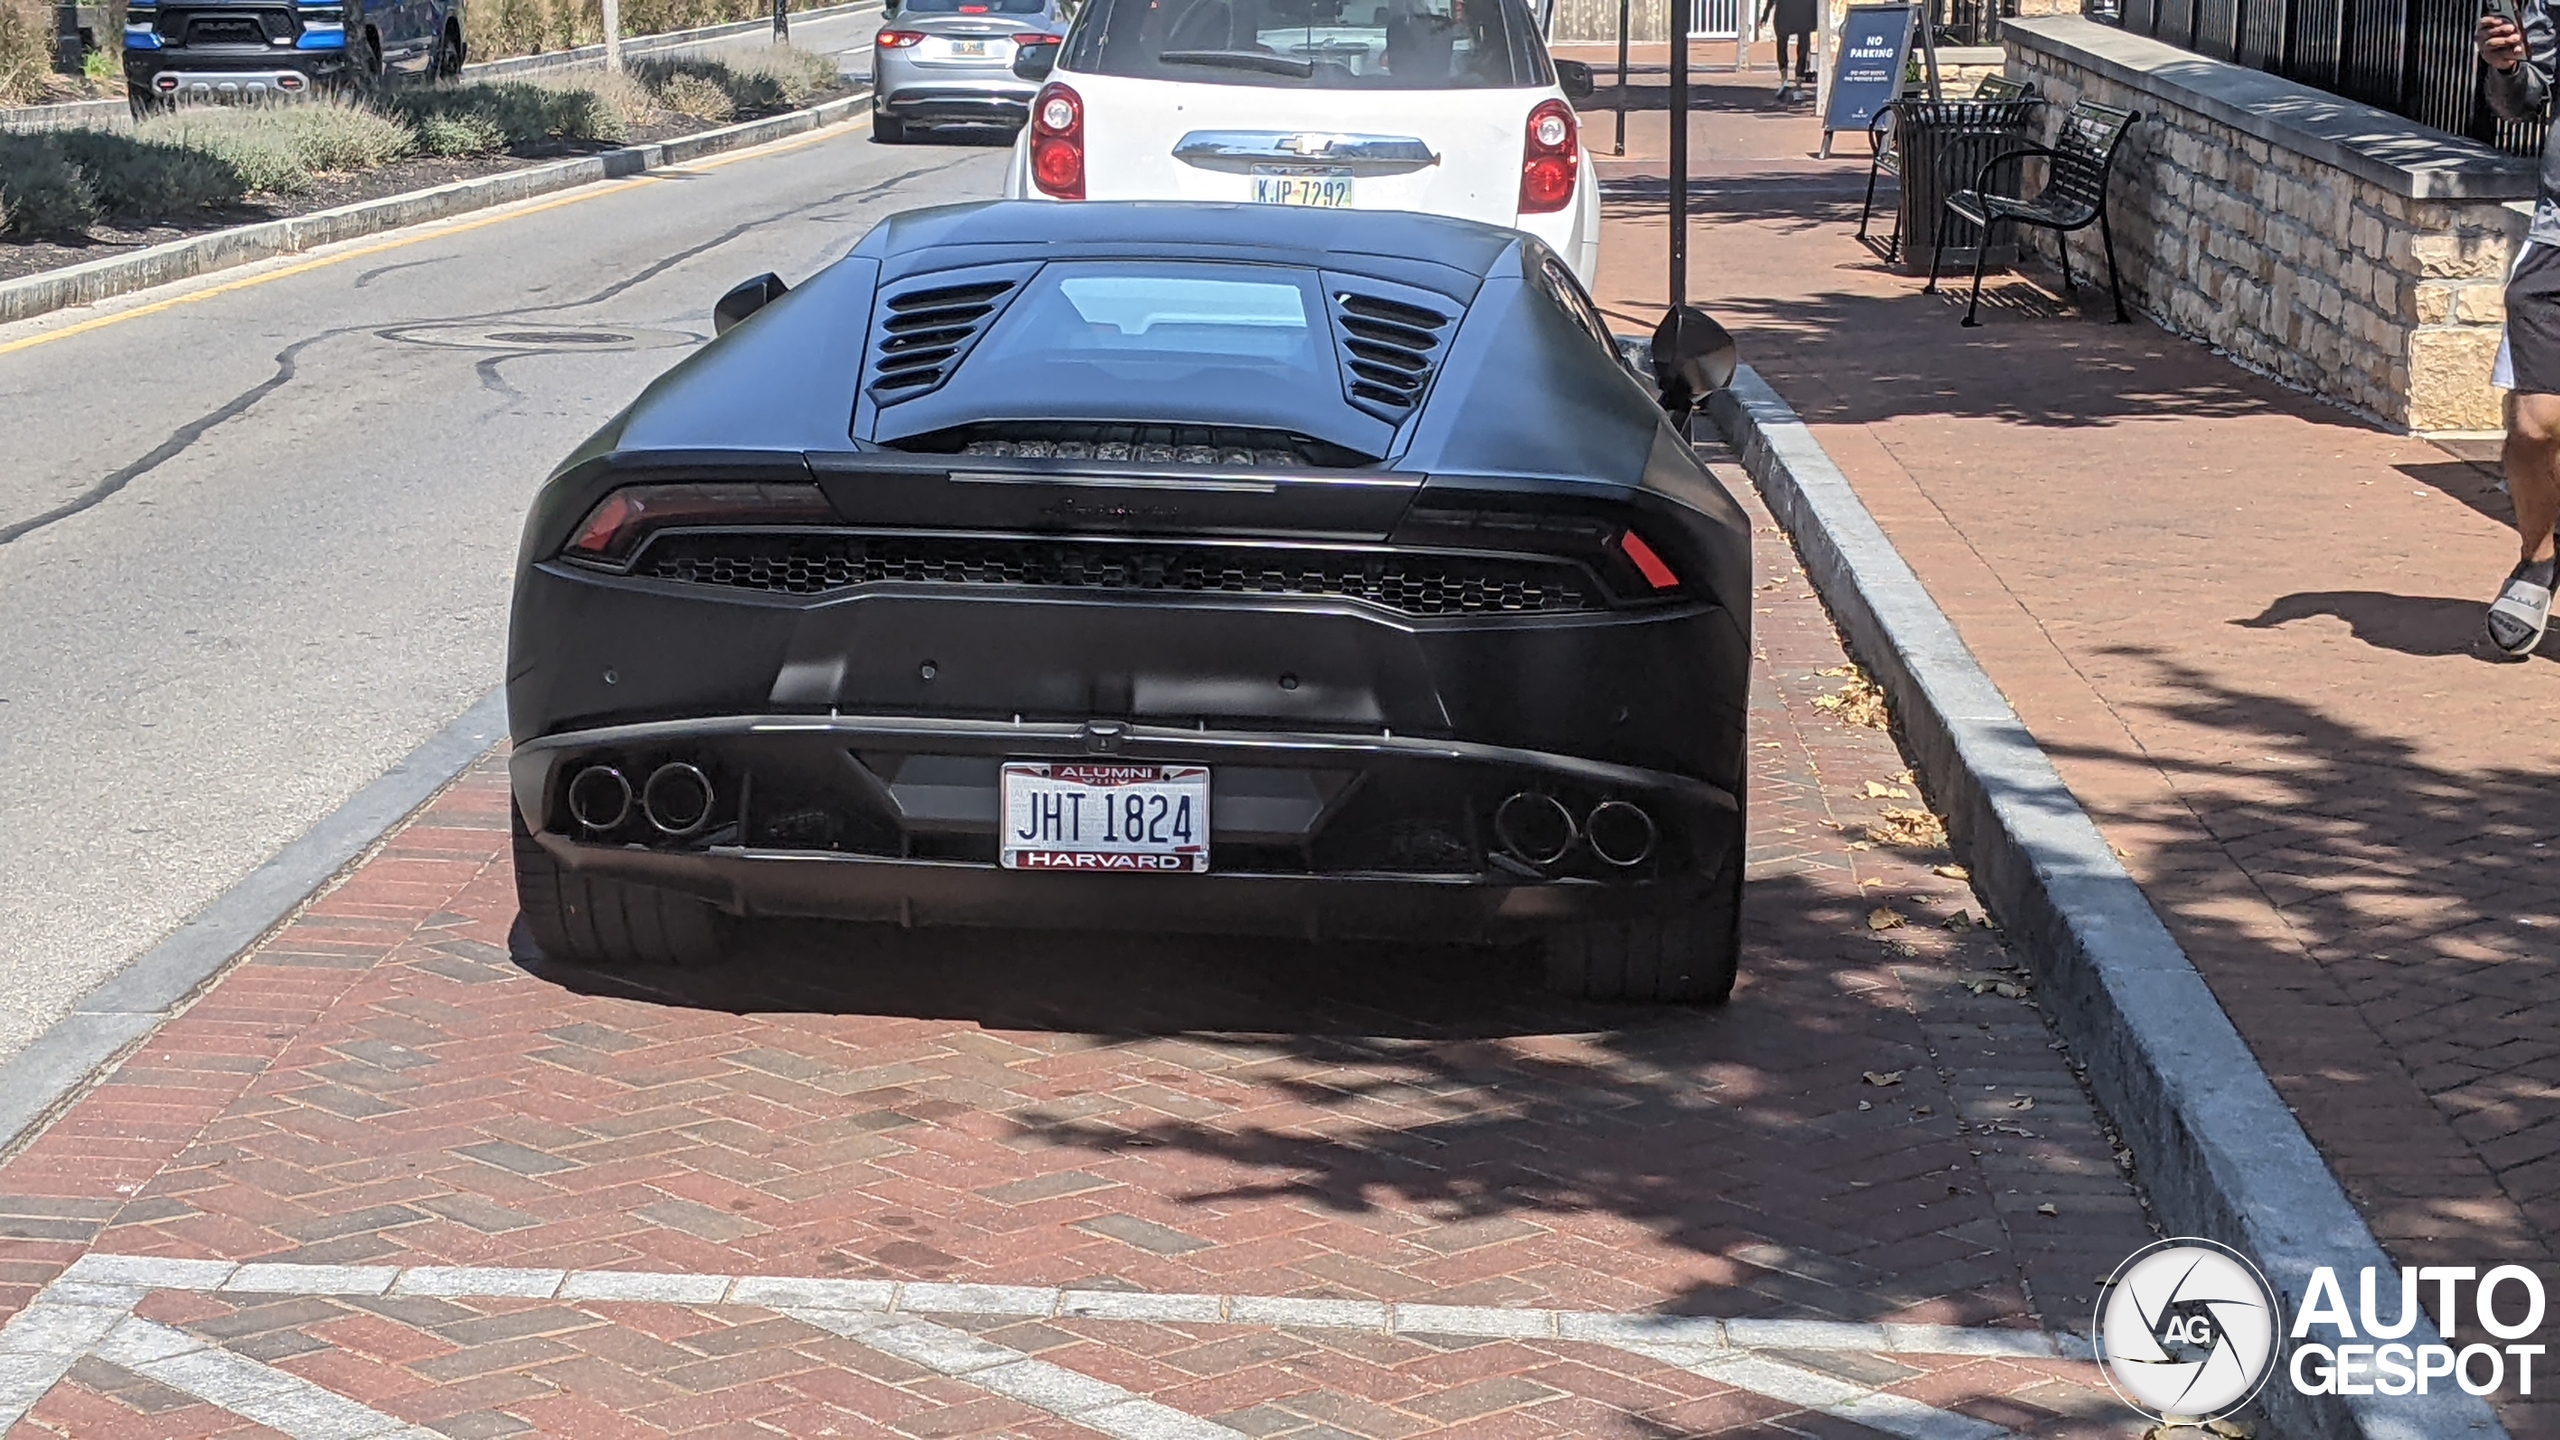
(1106, 817)
(1292, 185)
(969, 49)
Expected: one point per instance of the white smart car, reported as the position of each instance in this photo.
(1448, 107)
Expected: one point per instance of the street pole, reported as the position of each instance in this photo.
(781, 22)
(1621, 147)
(613, 36)
(1679, 152)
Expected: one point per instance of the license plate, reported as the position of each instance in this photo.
(969, 49)
(1325, 189)
(1106, 817)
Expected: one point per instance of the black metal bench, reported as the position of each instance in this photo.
(2000, 106)
(2074, 197)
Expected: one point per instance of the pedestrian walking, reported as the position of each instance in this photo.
(1795, 22)
(2522, 49)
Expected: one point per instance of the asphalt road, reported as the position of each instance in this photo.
(292, 496)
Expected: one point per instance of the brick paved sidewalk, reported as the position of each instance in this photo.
(486, 1201)
(2242, 624)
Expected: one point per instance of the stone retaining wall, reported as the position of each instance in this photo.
(2348, 251)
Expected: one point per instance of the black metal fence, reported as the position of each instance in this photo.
(2410, 57)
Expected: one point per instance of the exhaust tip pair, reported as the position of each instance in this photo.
(1538, 830)
(676, 799)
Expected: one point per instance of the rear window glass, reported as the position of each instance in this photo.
(1167, 342)
(1312, 44)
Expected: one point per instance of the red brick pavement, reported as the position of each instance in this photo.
(380, 1082)
(2242, 623)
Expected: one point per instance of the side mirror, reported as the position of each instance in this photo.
(746, 300)
(1574, 78)
(1693, 357)
(1036, 59)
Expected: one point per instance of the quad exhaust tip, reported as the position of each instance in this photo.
(677, 799)
(1620, 833)
(1534, 829)
(600, 798)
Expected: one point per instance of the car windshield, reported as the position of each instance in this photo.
(1325, 44)
(973, 7)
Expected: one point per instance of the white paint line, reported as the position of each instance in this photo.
(280, 1401)
(1070, 1395)
(1636, 1331)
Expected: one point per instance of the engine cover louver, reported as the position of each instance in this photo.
(1390, 347)
(925, 331)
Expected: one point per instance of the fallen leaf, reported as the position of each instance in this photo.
(2023, 1102)
(1884, 1077)
(2048, 1208)
(1866, 1105)
(1909, 829)
(2232, 1429)
(1878, 790)
(1857, 701)
(1961, 920)
(1925, 1110)
(1884, 917)
(1951, 872)
(2009, 990)
(1837, 670)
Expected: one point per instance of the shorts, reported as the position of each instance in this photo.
(2529, 352)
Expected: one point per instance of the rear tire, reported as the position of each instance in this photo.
(449, 55)
(1686, 956)
(606, 924)
(145, 106)
(888, 129)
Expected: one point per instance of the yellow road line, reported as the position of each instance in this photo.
(436, 230)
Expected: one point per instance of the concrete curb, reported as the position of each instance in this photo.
(98, 280)
(2222, 1155)
(134, 1001)
(63, 114)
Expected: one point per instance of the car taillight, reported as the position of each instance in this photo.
(1057, 143)
(897, 39)
(1550, 160)
(1036, 38)
(1656, 571)
(612, 531)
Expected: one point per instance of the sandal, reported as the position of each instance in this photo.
(2522, 610)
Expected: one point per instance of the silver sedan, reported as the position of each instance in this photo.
(950, 62)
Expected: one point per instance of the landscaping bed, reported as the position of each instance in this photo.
(70, 196)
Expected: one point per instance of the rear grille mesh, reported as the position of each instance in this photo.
(1415, 583)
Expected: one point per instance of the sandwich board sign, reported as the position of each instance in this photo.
(1866, 66)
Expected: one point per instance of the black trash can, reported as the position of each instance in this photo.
(1944, 145)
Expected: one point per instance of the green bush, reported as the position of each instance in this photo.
(44, 192)
(141, 178)
(454, 136)
(277, 149)
(520, 110)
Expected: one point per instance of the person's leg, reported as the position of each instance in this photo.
(2522, 610)
(2532, 460)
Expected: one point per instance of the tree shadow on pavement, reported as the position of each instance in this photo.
(1726, 1152)
(2428, 900)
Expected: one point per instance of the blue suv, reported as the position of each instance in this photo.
(271, 49)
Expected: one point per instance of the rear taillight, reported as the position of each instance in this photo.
(612, 532)
(1656, 571)
(898, 39)
(1550, 160)
(1057, 143)
(1034, 38)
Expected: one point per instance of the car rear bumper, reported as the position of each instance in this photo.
(930, 103)
(895, 819)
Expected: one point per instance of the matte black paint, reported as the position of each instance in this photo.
(1527, 409)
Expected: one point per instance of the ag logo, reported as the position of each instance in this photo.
(2187, 1329)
